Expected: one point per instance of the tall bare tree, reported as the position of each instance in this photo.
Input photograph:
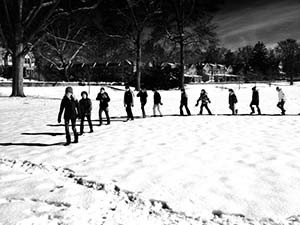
(130, 20)
(188, 23)
(288, 51)
(24, 22)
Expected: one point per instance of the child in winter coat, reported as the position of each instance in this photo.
(281, 100)
(143, 98)
(232, 101)
(204, 102)
(104, 99)
(184, 103)
(128, 102)
(255, 101)
(85, 105)
(69, 105)
(157, 102)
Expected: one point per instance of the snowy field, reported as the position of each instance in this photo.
(238, 164)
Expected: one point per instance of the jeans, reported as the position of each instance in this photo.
(186, 108)
(106, 114)
(88, 117)
(206, 107)
(68, 136)
(129, 112)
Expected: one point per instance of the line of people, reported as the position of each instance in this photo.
(73, 109)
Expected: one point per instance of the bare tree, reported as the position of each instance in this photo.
(24, 22)
(62, 44)
(188, 24)
(130, 20)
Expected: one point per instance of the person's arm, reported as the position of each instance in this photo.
(61, 109)
(90, 105)
(108, 98)
(132, 99)
(78, 109)
(98, 97)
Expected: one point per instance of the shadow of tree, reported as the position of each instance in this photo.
(32, 144)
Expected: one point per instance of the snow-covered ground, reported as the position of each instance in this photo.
(239, 164)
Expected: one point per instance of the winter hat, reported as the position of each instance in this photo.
(69, 90)
(84, 92)
(254, 88)
(102, 89)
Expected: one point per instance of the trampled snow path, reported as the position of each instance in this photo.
(242, 164)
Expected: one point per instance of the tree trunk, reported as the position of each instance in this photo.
(18, 60)
(66, 74)
(181, 62)
(138, 61)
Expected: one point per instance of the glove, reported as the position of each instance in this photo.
(196, 105)
(132, 105)
(161, 103)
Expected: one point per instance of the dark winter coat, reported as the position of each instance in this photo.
(204, 98)
(104, 100)
(232, 99)
(85, 106)
(143, 96)
(255, 98)
(70, 107)
(157, 98)
(184, 99)
(128, 98)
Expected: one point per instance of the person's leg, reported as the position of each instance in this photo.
(154, 106)
(107, 116)
(201, 109)
(100, 116)
(258, 110)
(181, 111)
(143, 109)
(130, 113)
(81, 124)
(187, 109)
(282, 108)
(208, 110)
(232, 108)
(252, 108)
(68, 136)
(90, 123)
(158, 109)
(73, 121)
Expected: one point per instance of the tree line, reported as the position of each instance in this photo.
(61, 33)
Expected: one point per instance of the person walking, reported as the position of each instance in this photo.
(204, 102)
(69, 105)
(281, 100)
(255, 101)
(85, 105)
(157, 102)
(143, 98)
(103, 99)
(232, 101)
(184, 103)
(128, 103)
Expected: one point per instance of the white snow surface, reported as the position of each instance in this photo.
(238, 164)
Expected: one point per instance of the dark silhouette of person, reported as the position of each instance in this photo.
(184, 103)
(85, 105)
(103, 99)
(156, 102)
(232, 99)
(204, 102)
(281, 100)
(255, 101)
(143, 99)
(69, 105)
(128, 102)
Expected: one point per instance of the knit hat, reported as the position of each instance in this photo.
(69, 90)
(84, 92)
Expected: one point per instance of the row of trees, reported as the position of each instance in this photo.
(262, 62)
(61, 31)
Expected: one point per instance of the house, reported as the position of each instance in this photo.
(218, 73)
(29, 63)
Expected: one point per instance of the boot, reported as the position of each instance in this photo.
(68, 137)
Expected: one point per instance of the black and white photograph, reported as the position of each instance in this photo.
(149, 112)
